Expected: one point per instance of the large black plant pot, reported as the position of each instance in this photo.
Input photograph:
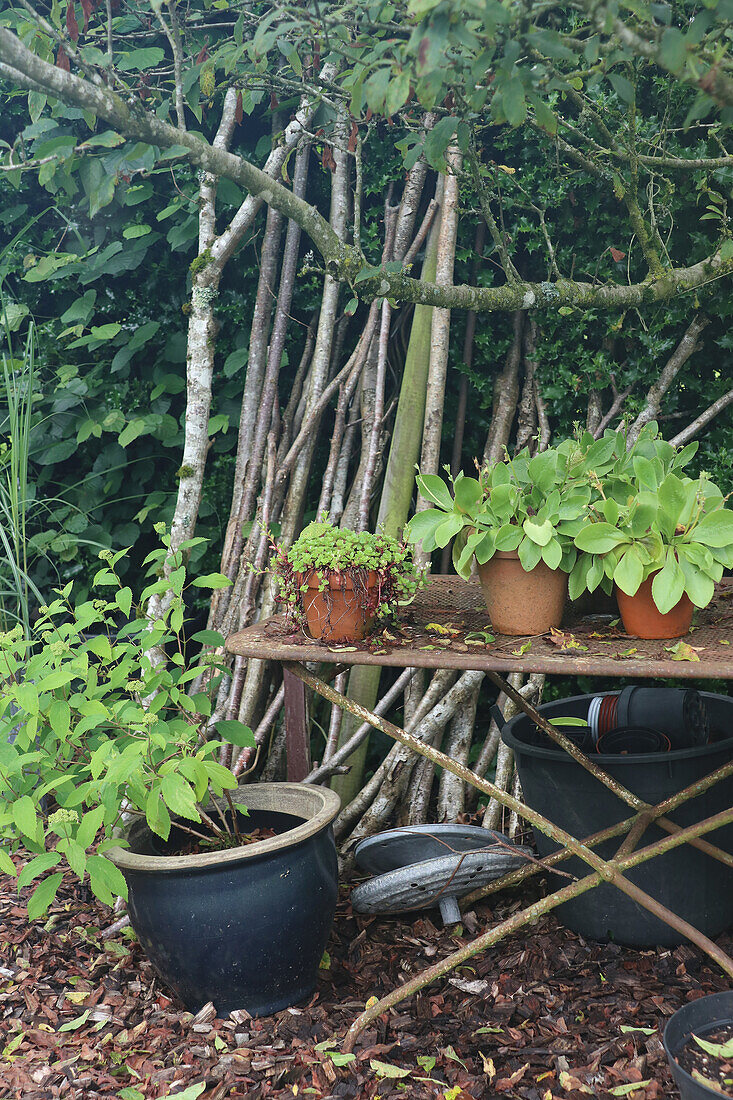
(690, 883)
(700, 1017)
(245, 927)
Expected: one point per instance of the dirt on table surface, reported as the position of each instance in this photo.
(541, 1016)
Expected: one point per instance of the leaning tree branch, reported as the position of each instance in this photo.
(342, 260)
(687, 346)
(704, 418)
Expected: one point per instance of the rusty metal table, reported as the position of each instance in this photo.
(443, 628)
(447, 626)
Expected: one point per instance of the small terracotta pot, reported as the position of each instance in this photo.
(338, 614)
(643, 619)
(519, 602)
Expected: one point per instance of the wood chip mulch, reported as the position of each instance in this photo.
(542, 1016)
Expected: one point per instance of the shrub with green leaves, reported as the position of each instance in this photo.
(325, 550)
(96, 722)
(531, 505)
(650, 521)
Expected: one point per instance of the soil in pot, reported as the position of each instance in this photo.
(519, 602)
(244, 927)
(710, 1069)
(686, 880)
(643, 619)
(700, 1074)
(345, 610)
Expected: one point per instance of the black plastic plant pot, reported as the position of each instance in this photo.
(680, 713)
(686, 880)
(620, 742)
(699, 1017)
(245, 927)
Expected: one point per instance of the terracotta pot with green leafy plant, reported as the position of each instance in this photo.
(518, 519)
(335, 582)
(663, 540)
(113, 774)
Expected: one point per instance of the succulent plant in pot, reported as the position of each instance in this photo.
(663, 547)
(336, 581)
(518, 518)
(113, 775)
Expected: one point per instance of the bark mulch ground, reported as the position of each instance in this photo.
(542, 1016)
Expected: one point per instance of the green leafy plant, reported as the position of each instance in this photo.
(651, 520)
(96, 725)
(381, 568)
(531, 505)
(17, 386)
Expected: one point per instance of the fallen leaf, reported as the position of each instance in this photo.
(505, 1083)
(697, 1076)
(632, 1086)
(570, 1083)
(489, 1068)
(683, 651)
(439, 628)
(384, 1069)
(565, 641)
(469, 987)
(718, 1050)
(524, 648)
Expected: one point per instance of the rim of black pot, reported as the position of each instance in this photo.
(320, 804)
(638, 758)
(723, 999)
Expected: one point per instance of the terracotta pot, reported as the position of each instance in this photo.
(642, 618)
(338, 613)
(519, 602)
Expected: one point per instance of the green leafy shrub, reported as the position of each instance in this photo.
(327, 550)
(96, 723)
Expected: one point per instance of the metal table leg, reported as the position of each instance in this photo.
(297, 734)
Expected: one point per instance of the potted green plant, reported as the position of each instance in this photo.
(518, 518)
(113, 774)
(336, 581)
(662, 540)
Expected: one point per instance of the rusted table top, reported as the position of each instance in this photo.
(447, 626)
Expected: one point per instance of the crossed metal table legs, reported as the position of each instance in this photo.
(297, 677)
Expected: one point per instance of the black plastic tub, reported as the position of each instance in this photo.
(245, 927)
(699, 1017)
(690, 883)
